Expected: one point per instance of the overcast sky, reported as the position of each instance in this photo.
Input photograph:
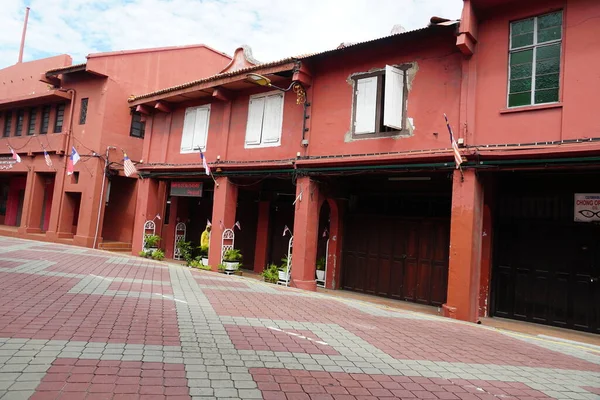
(272, 28)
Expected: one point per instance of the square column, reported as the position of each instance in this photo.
(147, 207)
(262, 236)
(224, 208)
(334, 250)
(465, 247)
(36, 203)
(306, 225)
(28, 199)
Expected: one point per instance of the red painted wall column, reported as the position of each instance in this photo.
(28, 199)
(146, 208)
(224, 207)
(334, 250)
(262, 236)
(465, 247)
(306, 225)
(486, 262)
(36, 202)
(57, 200)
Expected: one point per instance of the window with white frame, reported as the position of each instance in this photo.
(265, 118)
(379, 104)
(195, 129)
(534, 62)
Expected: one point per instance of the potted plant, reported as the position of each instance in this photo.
(186, 251)
(221, 268)
(232, 259)
(158, 254)
(321, 269)
(204, 255)
(284, 272)
(271, 273)
(151, 243)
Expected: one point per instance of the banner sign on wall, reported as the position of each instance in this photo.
(186, 189)
(7, 162)
(587, 207)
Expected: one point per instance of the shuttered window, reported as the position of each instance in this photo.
(138, 127)
(265, 120)
(195, 129)
(45, 120)
(379, 103)
(534, 62)
(20, 121)
(32, 118)
(60, 117)
(7, 124)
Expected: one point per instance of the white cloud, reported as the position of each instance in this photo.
(273, 28)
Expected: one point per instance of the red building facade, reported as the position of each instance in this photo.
(349, 150)
(360, 167)
(51, 105)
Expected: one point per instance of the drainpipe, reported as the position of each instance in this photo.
(108, 148)
(65, 151)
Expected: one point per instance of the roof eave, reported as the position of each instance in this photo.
(210, 83)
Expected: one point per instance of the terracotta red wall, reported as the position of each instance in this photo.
(435, 91)
(580, 82)
(120, 211)
(23, 79)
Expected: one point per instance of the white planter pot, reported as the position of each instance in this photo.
(320, 275)
(282, 276)
(205, 261)
(231, 266)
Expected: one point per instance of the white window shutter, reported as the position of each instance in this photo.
(187, 136)
(366, 105)
(255, 120)
(201, 127)
(393, 104)
(273, 118)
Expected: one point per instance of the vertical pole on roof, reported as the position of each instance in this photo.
(23, 36)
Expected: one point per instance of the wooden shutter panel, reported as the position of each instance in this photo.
(187, 136)
(255, 120)
(366, 105)
(273, 118)
(201, 127)
(393, 104)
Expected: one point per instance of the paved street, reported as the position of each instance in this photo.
(82, 324)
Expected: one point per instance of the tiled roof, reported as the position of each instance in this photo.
(277, 63)
(64, 70)
(213, 78)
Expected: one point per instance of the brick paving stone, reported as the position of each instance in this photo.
(78, 323)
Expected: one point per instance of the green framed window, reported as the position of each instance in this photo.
(534, 61)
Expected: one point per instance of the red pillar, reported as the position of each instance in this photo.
(334, 249)
(465, 247)
(146, 209)
(36, 203)
(262, 236)
(486, 262)
(224, 207)
(306, 224)
(27, 200)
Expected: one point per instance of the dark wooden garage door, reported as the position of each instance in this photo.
(548, 272)
(397, 257)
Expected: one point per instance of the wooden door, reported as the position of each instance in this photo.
(397, 257)
(548, 273)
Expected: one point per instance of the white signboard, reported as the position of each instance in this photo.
(587, 207)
